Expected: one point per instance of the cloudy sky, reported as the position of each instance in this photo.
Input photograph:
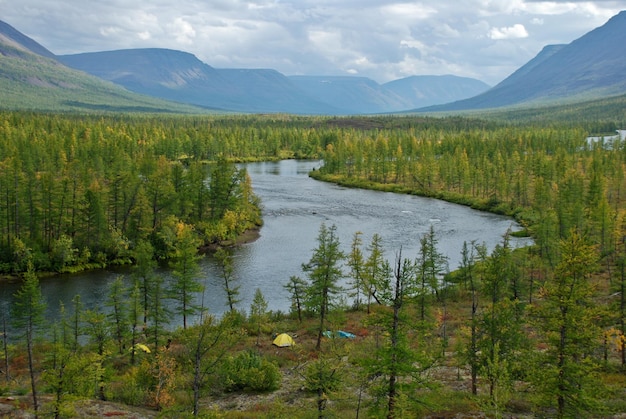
(380, 39)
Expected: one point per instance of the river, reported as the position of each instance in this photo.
(294, 207)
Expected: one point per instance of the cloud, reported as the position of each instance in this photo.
(380, 39)
(182, 31)
(512, 32)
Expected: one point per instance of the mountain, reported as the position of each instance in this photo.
(180, 76)
(30, 78)
(11, 37)
(592, 66)
(422, 91)
(354, 95)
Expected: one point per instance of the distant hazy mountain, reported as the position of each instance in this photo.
(422, 91)
(180, 76)
(592, 66)
(352, 94)
(31, 79)
(11, 37)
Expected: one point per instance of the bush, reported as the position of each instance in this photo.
(249, 371)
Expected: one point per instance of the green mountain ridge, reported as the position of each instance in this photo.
(591, 67)
(30, 81)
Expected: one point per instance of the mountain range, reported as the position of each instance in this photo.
(180, 76)
(593, 66)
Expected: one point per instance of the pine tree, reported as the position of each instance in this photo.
(185, 269)
(258, 312)
(324, 272)
(118, 315)
(356, 263)
(28, 317)
(224, 258)
(566, 374)
(297, 289)
(377, 274)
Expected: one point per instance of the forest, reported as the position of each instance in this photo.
(532, 332)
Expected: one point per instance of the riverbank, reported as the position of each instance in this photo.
(520, 215)
(248, 236)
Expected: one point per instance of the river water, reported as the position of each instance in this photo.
(294, 207)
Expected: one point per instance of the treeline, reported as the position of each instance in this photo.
(540, 330)
(551, 180)
(78, 191)
(567, 291)
(81, 191)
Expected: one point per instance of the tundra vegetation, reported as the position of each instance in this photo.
(534, 331)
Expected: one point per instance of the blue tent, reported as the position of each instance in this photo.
(339, 334)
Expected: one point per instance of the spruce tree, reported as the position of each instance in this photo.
(324, 272)
(27, 314)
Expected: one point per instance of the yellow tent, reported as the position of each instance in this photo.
(283, 340)
(142, 347)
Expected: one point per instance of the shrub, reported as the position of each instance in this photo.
(249, 371)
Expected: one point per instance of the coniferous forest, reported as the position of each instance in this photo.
(532, 332)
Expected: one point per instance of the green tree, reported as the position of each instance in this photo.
(27, 313)
(324, 272)
(158, 313)
(258, 312)
(431, 265)
(98, 332)
(393, 366)
(223, 187)
(224, 258)
(185, 269)
(207, 343)
(467, 272)
(58, 363)
(118, 315)
(5, 348)
(144, 274)
(323, 376)
(297, 289)
(501, 336)
(566, 374)
(356, 262)
(76, 322)
(377, 274)
(398, 352)
(135, 311)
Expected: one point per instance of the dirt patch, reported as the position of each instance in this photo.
(21, 407)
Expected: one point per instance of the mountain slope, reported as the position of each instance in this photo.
(592, 66)
(32, 81)
(9, 36)
(352, 94)
(422, 91)
(180, 76)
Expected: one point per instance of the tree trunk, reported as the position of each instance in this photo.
(393, 367)
(5, 349)
(31, 370)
